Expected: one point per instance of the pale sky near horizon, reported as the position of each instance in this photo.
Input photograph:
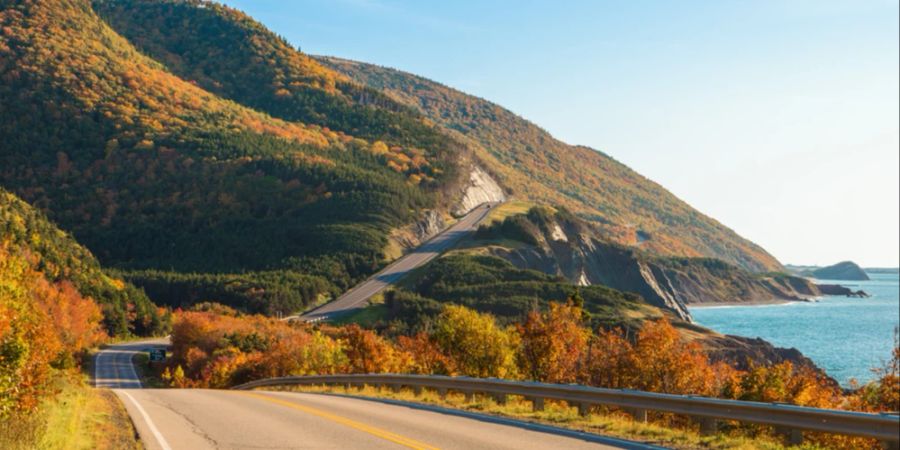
(777, 118)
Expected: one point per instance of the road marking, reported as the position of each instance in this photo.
(384, 434)
(156, 434)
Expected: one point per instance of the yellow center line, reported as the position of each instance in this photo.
(384, 434)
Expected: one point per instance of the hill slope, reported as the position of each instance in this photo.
(58, 257)
(153, 172)
(631, 209)
(227, 52)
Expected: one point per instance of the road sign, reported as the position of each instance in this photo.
(157, 354)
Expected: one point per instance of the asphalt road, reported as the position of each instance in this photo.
(196, 419)
(214, 419)
(359, 295)
(112, 365)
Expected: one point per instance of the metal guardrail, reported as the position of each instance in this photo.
(788, 420)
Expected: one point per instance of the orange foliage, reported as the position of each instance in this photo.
(553, 344)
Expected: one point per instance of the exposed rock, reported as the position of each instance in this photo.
(741, 352)
(845, 270)
(836, 289)
(415, 234)
(481, 189)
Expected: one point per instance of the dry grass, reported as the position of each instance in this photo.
(510, 208)
(78, 417)
(663, 431)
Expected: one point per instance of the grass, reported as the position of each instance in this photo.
(77, 417)
(663, 431)
(149, 377)
(366, 317)
(507, 209)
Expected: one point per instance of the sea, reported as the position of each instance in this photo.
(847, 337)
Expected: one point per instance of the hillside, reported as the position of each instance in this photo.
(559, 243)
(228, 53)
(629, 208)
(58, 258)
(155, 173)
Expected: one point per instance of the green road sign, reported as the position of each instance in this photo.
(157, 354)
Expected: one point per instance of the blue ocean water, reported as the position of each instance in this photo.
(845, 336)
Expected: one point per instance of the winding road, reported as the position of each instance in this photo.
(358, 296)
(197, 419)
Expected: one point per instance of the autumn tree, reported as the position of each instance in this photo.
(475, 343)
(553, 344)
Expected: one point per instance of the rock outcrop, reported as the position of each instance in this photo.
(838, 290)
(482, 188)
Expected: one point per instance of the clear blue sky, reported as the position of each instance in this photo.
(778, 118)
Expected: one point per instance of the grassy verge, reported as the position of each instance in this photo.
(150, 378)
(77, 417)
(604, 422)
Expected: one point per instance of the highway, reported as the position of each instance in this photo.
(359, 295)
(196, 419)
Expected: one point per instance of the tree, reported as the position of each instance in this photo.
(553, 344)
(475, 343)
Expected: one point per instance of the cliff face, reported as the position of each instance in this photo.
(563, 245)
(481, 189)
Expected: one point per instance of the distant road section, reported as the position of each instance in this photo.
(358, 296)
(113, 368)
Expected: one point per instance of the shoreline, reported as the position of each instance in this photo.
(750, 303)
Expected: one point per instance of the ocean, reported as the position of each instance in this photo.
(845, 336)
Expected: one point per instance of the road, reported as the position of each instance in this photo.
(172, 419)
(112, 365)
(359, 295)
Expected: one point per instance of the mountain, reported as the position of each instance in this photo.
(152, 172)
(531, 164)
(845, 270)
(228, 53)
(54, 254)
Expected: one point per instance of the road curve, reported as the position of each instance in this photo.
(172, 419)
(169, 419)
(113, 367)
(359, 295)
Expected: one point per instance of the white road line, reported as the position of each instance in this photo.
(159, 437)
(134, 374)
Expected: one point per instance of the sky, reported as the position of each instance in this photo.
(777, 118)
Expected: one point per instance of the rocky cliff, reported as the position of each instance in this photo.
(482, 188)
(560, 243)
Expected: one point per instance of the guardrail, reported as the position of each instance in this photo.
(788, 420)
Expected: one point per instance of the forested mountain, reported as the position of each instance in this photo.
(228, 53)
(152, 172)
(630, 209)
(27, 234)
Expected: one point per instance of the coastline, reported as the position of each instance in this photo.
(748, 303)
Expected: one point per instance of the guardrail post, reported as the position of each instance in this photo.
(470, 396)
(537, 404)
(500, 399)
(396, 388)
(708, 426)
(639, 415)
(417, 390)
(890, 445)
(442, 392)
(584, 409)
(792, 436)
